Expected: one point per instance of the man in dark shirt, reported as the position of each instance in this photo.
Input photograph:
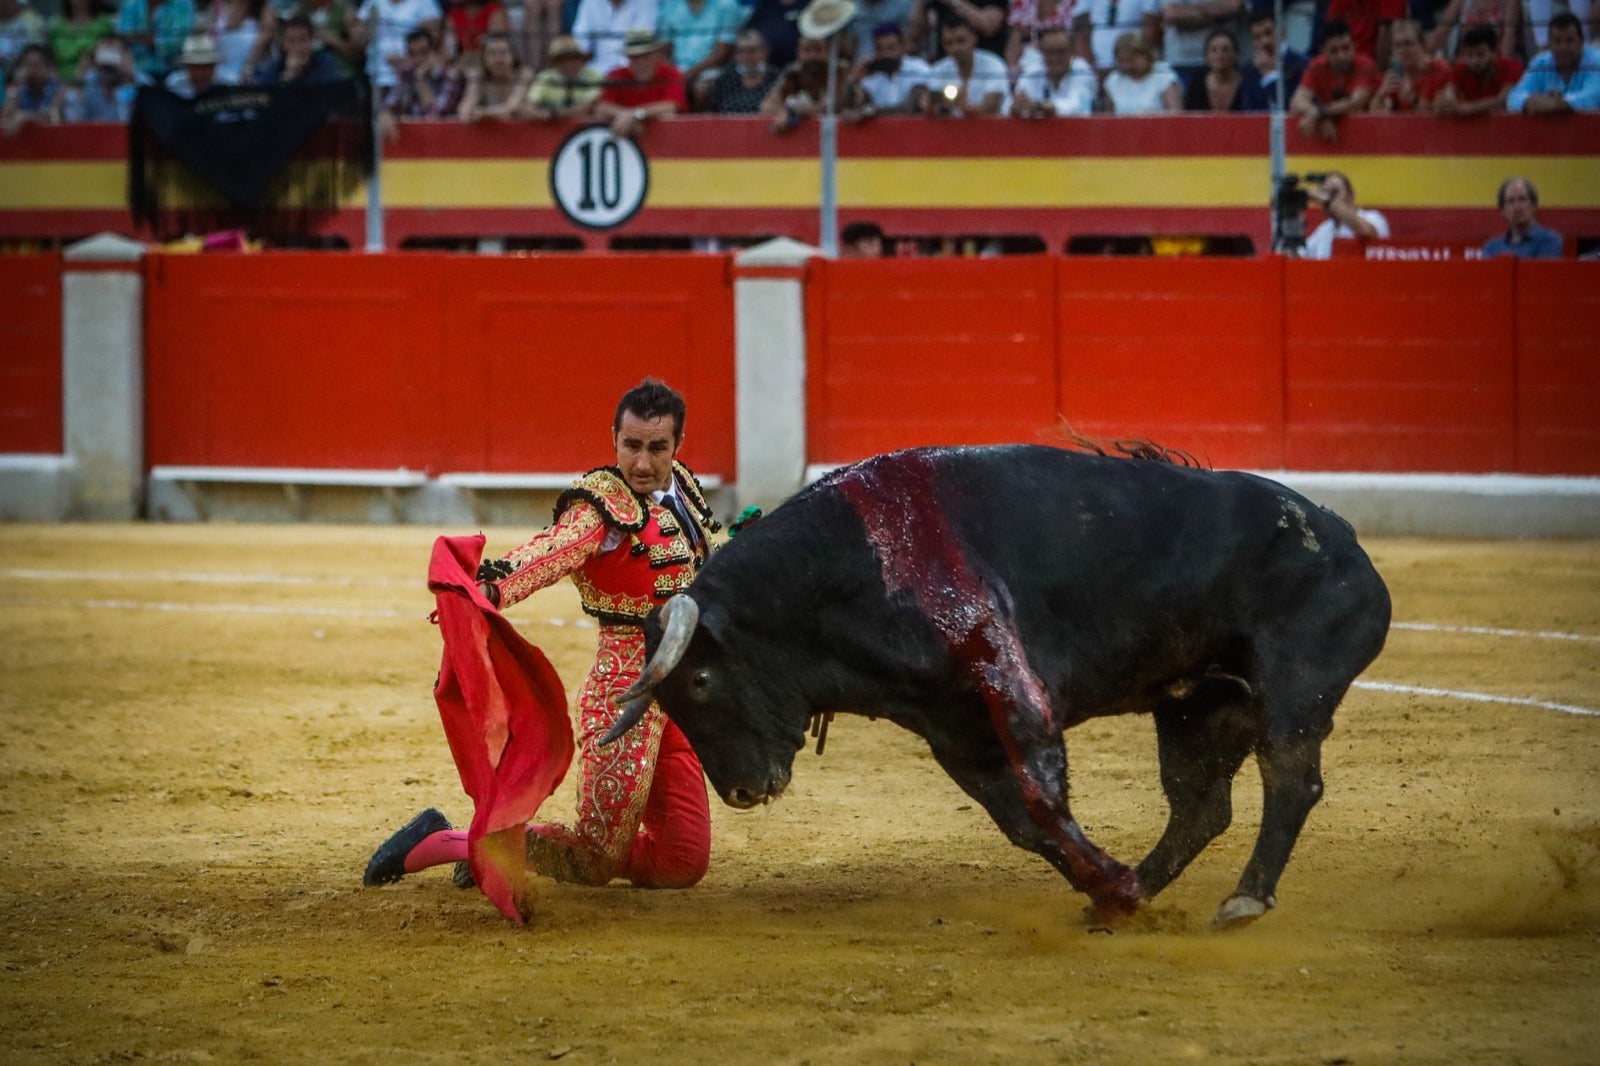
(779, 23)
(986, 17)
(1524, 237)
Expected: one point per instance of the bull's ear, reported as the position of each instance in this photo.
(714, 623)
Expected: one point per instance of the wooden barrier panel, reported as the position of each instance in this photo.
(1399, 366)
(1558, 368)
(1188, 353)
(928, 352)
(30, 366)
(430, 362)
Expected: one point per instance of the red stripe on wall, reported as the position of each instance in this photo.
(30, 368)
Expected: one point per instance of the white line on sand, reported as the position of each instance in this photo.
(1476, 697)
(1487, 631)
(205, 577)
(245, 608)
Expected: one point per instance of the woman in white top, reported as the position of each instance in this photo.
(1140, 85)
(242, 30)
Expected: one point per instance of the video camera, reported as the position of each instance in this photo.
(1289, 202)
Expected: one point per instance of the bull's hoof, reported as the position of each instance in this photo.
(1237, 912)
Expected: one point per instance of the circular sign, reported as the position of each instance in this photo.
(598, 180)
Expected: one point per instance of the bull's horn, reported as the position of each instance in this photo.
(679, 618)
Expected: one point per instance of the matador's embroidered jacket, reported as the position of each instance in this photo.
(613, 585)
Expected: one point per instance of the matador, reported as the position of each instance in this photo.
(629, 536)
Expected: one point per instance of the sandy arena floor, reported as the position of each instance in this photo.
(209, 728)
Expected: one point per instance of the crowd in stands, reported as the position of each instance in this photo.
(628, 62)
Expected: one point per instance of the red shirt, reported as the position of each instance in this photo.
(1470, 88)
(469, 27)
(1329, 87)
(1426, 87)
(1366, 17)
(666, 84)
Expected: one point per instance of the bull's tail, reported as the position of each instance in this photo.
(1134, 448)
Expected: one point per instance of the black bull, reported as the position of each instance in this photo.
(987, 599)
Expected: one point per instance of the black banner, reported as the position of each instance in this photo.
(276, 161)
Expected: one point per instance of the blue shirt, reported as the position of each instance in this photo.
(1582, 91)
(693, 36)
(173, 21)
(1540, 243)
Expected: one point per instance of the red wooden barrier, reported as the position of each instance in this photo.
(1186, 352)
(931, 351)
(1463, 367)
(431, 362)
(30, 354)
(1558, 368)
(1398, 366)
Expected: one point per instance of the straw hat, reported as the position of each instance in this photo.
(824, 18)
(641, 42)
(199, 49)
(567, 45)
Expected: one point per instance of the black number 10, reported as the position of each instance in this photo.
(610, 175)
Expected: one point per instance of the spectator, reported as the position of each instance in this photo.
(106, 94)
(987, 18)
(873, 15)
(1267, 56)
(330, 19)
(1482, 77)
(1370, 22)
(467, 22)
(82, 23)
(779, 23)
(242, 30)
(603, 27)
(969, 80)
(300, 62)
(1338, 199)
(426, 84)
(1065, 85)
(1225, 86)
(861, 240)
(388, 52)
(895, 82)
(155, 30)
(1562, 79)
(1415, 77)
(647, 87)
(745, 82)
(1141, 85)
(700, 33)
(497, 87)
(197, 67)
(20, 26)
(1098, 24)
(569, 87)
(1538, 15)
(1502, 16)
(1337, 83)
(1524, 237)
(542, 22)
(803, 89)
(1027, 19)
(35, 95)
(1187, 29)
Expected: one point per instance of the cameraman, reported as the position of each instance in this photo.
(896, 82)
(1338, 200)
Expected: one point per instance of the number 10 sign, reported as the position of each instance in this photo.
(598, 180)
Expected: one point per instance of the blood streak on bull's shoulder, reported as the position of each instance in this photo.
(922, 555)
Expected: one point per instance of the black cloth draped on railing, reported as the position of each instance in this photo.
(275, 161)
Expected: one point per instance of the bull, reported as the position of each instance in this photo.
(990, 598)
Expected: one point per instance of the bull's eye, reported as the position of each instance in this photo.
(700, 680)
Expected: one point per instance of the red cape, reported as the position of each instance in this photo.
(505, 715)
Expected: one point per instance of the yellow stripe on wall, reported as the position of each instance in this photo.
(61, 186)
(998, 183)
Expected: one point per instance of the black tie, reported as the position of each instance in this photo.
(681, 513)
